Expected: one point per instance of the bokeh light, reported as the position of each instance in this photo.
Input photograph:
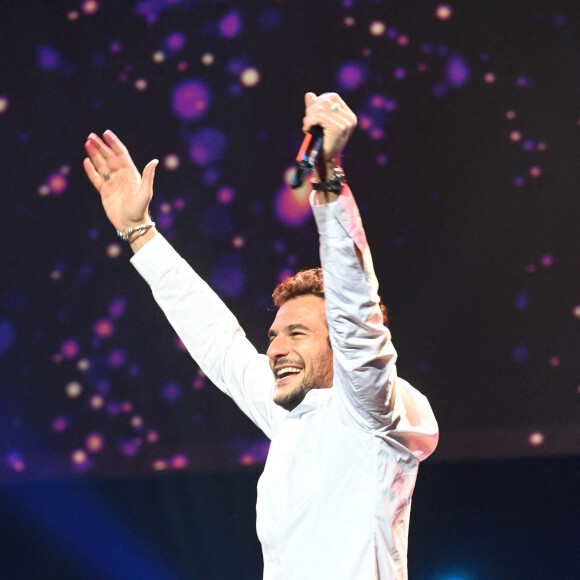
(444, 12)
(191, 99)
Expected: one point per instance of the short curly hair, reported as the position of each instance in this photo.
(309, 281)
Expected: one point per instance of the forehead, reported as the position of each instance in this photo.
(308, 310)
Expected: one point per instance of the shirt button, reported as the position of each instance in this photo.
(343, 216)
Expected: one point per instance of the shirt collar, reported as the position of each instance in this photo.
(314, 399)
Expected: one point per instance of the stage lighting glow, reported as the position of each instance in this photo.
(351, 76)
(377, 28)
(4, 103)
(190, 99)
(444, 12)
(231, 24)
(207, 146)
(457, 71)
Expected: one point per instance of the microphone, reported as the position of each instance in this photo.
(307, 155)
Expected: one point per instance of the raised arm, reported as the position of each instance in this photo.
(368, 393)
(208, 329)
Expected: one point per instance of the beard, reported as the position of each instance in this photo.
(293, 398)
(319, 376)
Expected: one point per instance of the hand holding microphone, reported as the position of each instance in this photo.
(328, 123)
(308, 154)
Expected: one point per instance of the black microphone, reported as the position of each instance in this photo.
(307, 155)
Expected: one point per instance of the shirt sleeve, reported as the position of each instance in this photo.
(210, 332)
(367, 390)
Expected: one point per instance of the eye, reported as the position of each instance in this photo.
(296, 333)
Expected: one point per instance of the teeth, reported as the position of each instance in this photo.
(286, 371)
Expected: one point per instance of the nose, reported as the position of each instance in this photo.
(278, 348)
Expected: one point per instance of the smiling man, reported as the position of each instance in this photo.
(347, 434)
(299, 352)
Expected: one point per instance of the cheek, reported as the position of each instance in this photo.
(324, 360)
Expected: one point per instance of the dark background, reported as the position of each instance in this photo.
(486, 519)
(465, 167)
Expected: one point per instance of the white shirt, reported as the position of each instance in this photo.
(334, 499)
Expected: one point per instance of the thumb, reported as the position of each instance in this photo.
(309, 98)
(148, 176)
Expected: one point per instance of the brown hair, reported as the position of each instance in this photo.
(307, 282)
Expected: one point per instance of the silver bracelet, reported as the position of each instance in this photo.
(127, 236)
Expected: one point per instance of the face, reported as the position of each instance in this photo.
(299, 352)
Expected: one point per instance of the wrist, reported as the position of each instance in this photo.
(138, 242)
(333, 183)
(325, 169)
(134, 233)
(329, 189)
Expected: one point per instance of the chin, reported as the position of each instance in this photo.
(289, 400)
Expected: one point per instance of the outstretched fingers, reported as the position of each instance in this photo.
(103, 150)
(118, 148)
(94, 176)
(101, 156)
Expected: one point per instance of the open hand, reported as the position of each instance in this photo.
(125, 194)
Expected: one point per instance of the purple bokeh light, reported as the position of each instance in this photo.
(399, 73)
(190, 99)
(171, 392)
(207, 146)
(70, 349)
(130, 447)
(175, 42)
(104, 328)
(251, 452)
(522, 301)
(520, 353)
(57, 183)
(15, 461)
(116, 358)
(457, 71)
(351, 76)
(229, 277)
(6, 335)
(60, 424)
(117, 307)
(150, 10)
(231, 24)
(225, 195)
(48, 59)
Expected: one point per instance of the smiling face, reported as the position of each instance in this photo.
(299, 352)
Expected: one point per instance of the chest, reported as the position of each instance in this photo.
(314, 463)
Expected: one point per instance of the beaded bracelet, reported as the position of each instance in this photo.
(333, 184)
(140, 230)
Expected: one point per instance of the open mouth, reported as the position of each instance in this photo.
(285, 372)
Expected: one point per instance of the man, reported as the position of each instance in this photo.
(347, 433)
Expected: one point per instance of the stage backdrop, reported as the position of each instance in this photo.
(465, 165)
